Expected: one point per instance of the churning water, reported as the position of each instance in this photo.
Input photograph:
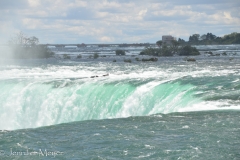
(170, 109)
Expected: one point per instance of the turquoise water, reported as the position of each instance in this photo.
(171, 109)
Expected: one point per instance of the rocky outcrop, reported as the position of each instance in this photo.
(150, 59)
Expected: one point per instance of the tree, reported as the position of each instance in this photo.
(194, 38)
(175, 45)
(22, 39)
(189, 51)
(18, 39)
(150, 51)
(203, 37)
(181, 40)
(32, 41)
(233, 38)
(210, 36)
(28, 47)
(159, 43)
(165, 51)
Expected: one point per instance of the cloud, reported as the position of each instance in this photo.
(106, 39)
(34, 3)
(80, 13)
(5, 4)
(196, 2)
(117, 21)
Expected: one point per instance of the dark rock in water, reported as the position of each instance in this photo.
(128, 60)
(191, 60)
(66, 56)
(210, 53)
(93, 76)
(95, 56)
(217, 54)
(79, 56)
(150, 59)
(154, 59)
(142, 53)
(137, 59)
(98, 76)
(120, 52)
(114, 60)
(230, 59)
(105, 75)
(224, 53)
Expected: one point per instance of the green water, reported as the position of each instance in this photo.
(195, 135)
(170, 109)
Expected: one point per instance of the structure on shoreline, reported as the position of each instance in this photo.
(167, 39)
(83, 45)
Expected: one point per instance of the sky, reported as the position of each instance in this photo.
(116, 21)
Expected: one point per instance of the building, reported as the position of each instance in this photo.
(167, 39)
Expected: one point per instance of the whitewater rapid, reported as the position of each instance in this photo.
(48, 94)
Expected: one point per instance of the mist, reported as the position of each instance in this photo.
(6, 52)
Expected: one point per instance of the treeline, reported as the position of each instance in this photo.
(171, 50)
(211, 39)
(24, 47)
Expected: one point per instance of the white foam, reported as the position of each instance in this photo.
(210, 105)
(58, 107)
(132, 105)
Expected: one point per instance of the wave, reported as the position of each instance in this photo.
(29, 104)
(41, 94)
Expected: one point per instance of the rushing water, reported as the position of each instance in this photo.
(170, 109)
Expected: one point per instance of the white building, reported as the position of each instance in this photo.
(167, 39)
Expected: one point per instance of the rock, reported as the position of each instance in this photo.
(93, 76)
(137, 59)
(120, 52)
(114, 60)
(95, 56)
(224, 53)
(150, 59)
(210, 53)
(128, 60)
(105, 75)
(66, 56)
(98, 76)
(79, 56)
(191, 60)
